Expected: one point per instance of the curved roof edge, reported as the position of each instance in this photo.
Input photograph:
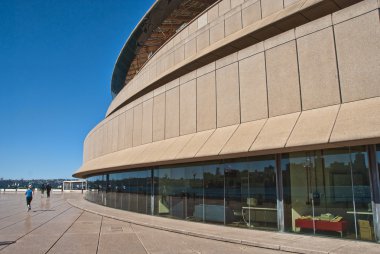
(152, 18)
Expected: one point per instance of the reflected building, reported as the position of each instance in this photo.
(247, 113)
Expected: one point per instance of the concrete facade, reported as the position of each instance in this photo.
(248, 78)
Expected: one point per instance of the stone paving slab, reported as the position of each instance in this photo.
(55, 226)
(244, 237)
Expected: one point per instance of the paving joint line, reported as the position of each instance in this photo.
(64, 231)
(146, 250)
(100, 231)
(33, 215)
(269, 246)
(39, 226)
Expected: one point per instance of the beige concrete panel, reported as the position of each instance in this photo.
(185, 31)
(128, 128)
(216, 142)
(251, 13)
(132, 156)
(357, 120)
(243, 137)
(289, 2)
(275, 132)
(152, 72)
(169, 63)
(359, 65)
(187, 77)
(202, 20)
(354, 11)
(159, 117)
(224, 7)
(148, 96)
(160, 66)
(279, 39)
(271, 6)
(179, 54)
(172, 151)
(147, 122)
(99, 142)
(226, 60)
(188, 108)
(108, 126)
(190, 48)
(253, 89)
(282, 80)
(235, 3)
(217, 32)
(314, 26)
(193, 26)
(206, 69)
(212, 14)
(159, 90)
(159, 150)
(317, 68)
(176, 39)
(233, 24)
(227, 99)
(172, 113)
(172, 84)
(313, 127)
(121, 135)
(147, 154)
(203, 40)
(251, 50)
(115, 133)
(96, 143)
(206, 102)
(194, 144)
(137, 125)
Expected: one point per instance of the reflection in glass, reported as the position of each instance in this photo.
(325, 192)
(178, 192)
(251, 192)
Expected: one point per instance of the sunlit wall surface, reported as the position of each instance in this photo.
(250, 114)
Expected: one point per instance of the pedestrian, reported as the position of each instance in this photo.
(43, 187)
(48, 189)
(29, 196)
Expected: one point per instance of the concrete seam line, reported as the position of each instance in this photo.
(205, 236)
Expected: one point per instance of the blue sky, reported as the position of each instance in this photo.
(56, 62)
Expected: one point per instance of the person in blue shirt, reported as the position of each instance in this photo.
(29, 197)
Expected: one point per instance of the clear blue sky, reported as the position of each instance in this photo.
(56, 62)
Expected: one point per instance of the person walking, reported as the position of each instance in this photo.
(29, 197)
(43, 187)
(48, 189)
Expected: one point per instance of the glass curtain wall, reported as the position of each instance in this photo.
(178, 192)
(96, 187)
(328, 192)
(251, 192)
(325, 192)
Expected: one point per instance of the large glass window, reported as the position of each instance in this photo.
(251, 192)
(325, 192)
(179, 192)
(328, 192)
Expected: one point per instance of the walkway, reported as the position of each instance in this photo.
(66, 223)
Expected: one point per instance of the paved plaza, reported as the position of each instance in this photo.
(65, 223)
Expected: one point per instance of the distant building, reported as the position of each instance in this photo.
(252, 114)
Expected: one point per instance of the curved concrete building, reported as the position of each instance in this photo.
(252, 114)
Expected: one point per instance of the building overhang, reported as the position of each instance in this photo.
(348, 124)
